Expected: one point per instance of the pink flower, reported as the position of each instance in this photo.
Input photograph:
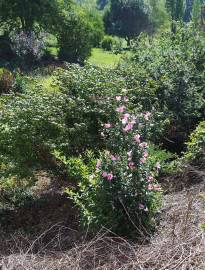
(121, 109)
(125, 118)
(124, 121)
(108, 125)
(158, 166)
(115, 158)
(133, 121)
(157, 188)
(128, 127)
(118, 98)
(131, 165)
(142, 160)
(129, 153)
(99, 163)
(143, 145)
(104, 174)
(126, 99)
(141, 206)
(147, 115)
(137, 138)
(109, 176)
(150, 187)
(150, 179)
(146, 154)
(126, 115)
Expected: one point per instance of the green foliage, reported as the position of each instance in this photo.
(196, 11)
(97, 27)
(86, 89)
(6, 80)
(167, 159)
(196, 145)
(29, 126)
(107, 43)
(166, 73)
(25, 15)
(159, 15)
(15, 193)
(127, 19)
(176, 10)
(75, 39)
(121, 193)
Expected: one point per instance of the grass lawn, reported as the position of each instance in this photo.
(102, 58)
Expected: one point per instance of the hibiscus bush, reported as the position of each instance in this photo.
(119, 191)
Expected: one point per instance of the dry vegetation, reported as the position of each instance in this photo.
(178, 243)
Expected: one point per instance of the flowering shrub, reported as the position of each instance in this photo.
(121, 194)
(28, 46)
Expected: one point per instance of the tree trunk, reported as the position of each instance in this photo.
(128, 39)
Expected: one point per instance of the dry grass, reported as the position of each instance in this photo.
(179, 244)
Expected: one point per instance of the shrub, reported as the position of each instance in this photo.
(121, 193)
(196, 146)
(97, 26)
(29, 126)
(74, 39)
(6, 80)
(108, 43)
(28, 46)
(89, 90)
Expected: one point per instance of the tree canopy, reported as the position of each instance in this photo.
(127, 18)
(24, 14)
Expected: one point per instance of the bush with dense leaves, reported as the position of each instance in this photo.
(121, 192)
(31, 125)
(75, 39)
(196, 146)
(108, 43)
(167, 72)
(6, 80)
(89, 90)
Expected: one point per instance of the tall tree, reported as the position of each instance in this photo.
(176, 10)
(127, 18)
(188, 10)
(159, 15)
(24, 14)
(197, 11)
